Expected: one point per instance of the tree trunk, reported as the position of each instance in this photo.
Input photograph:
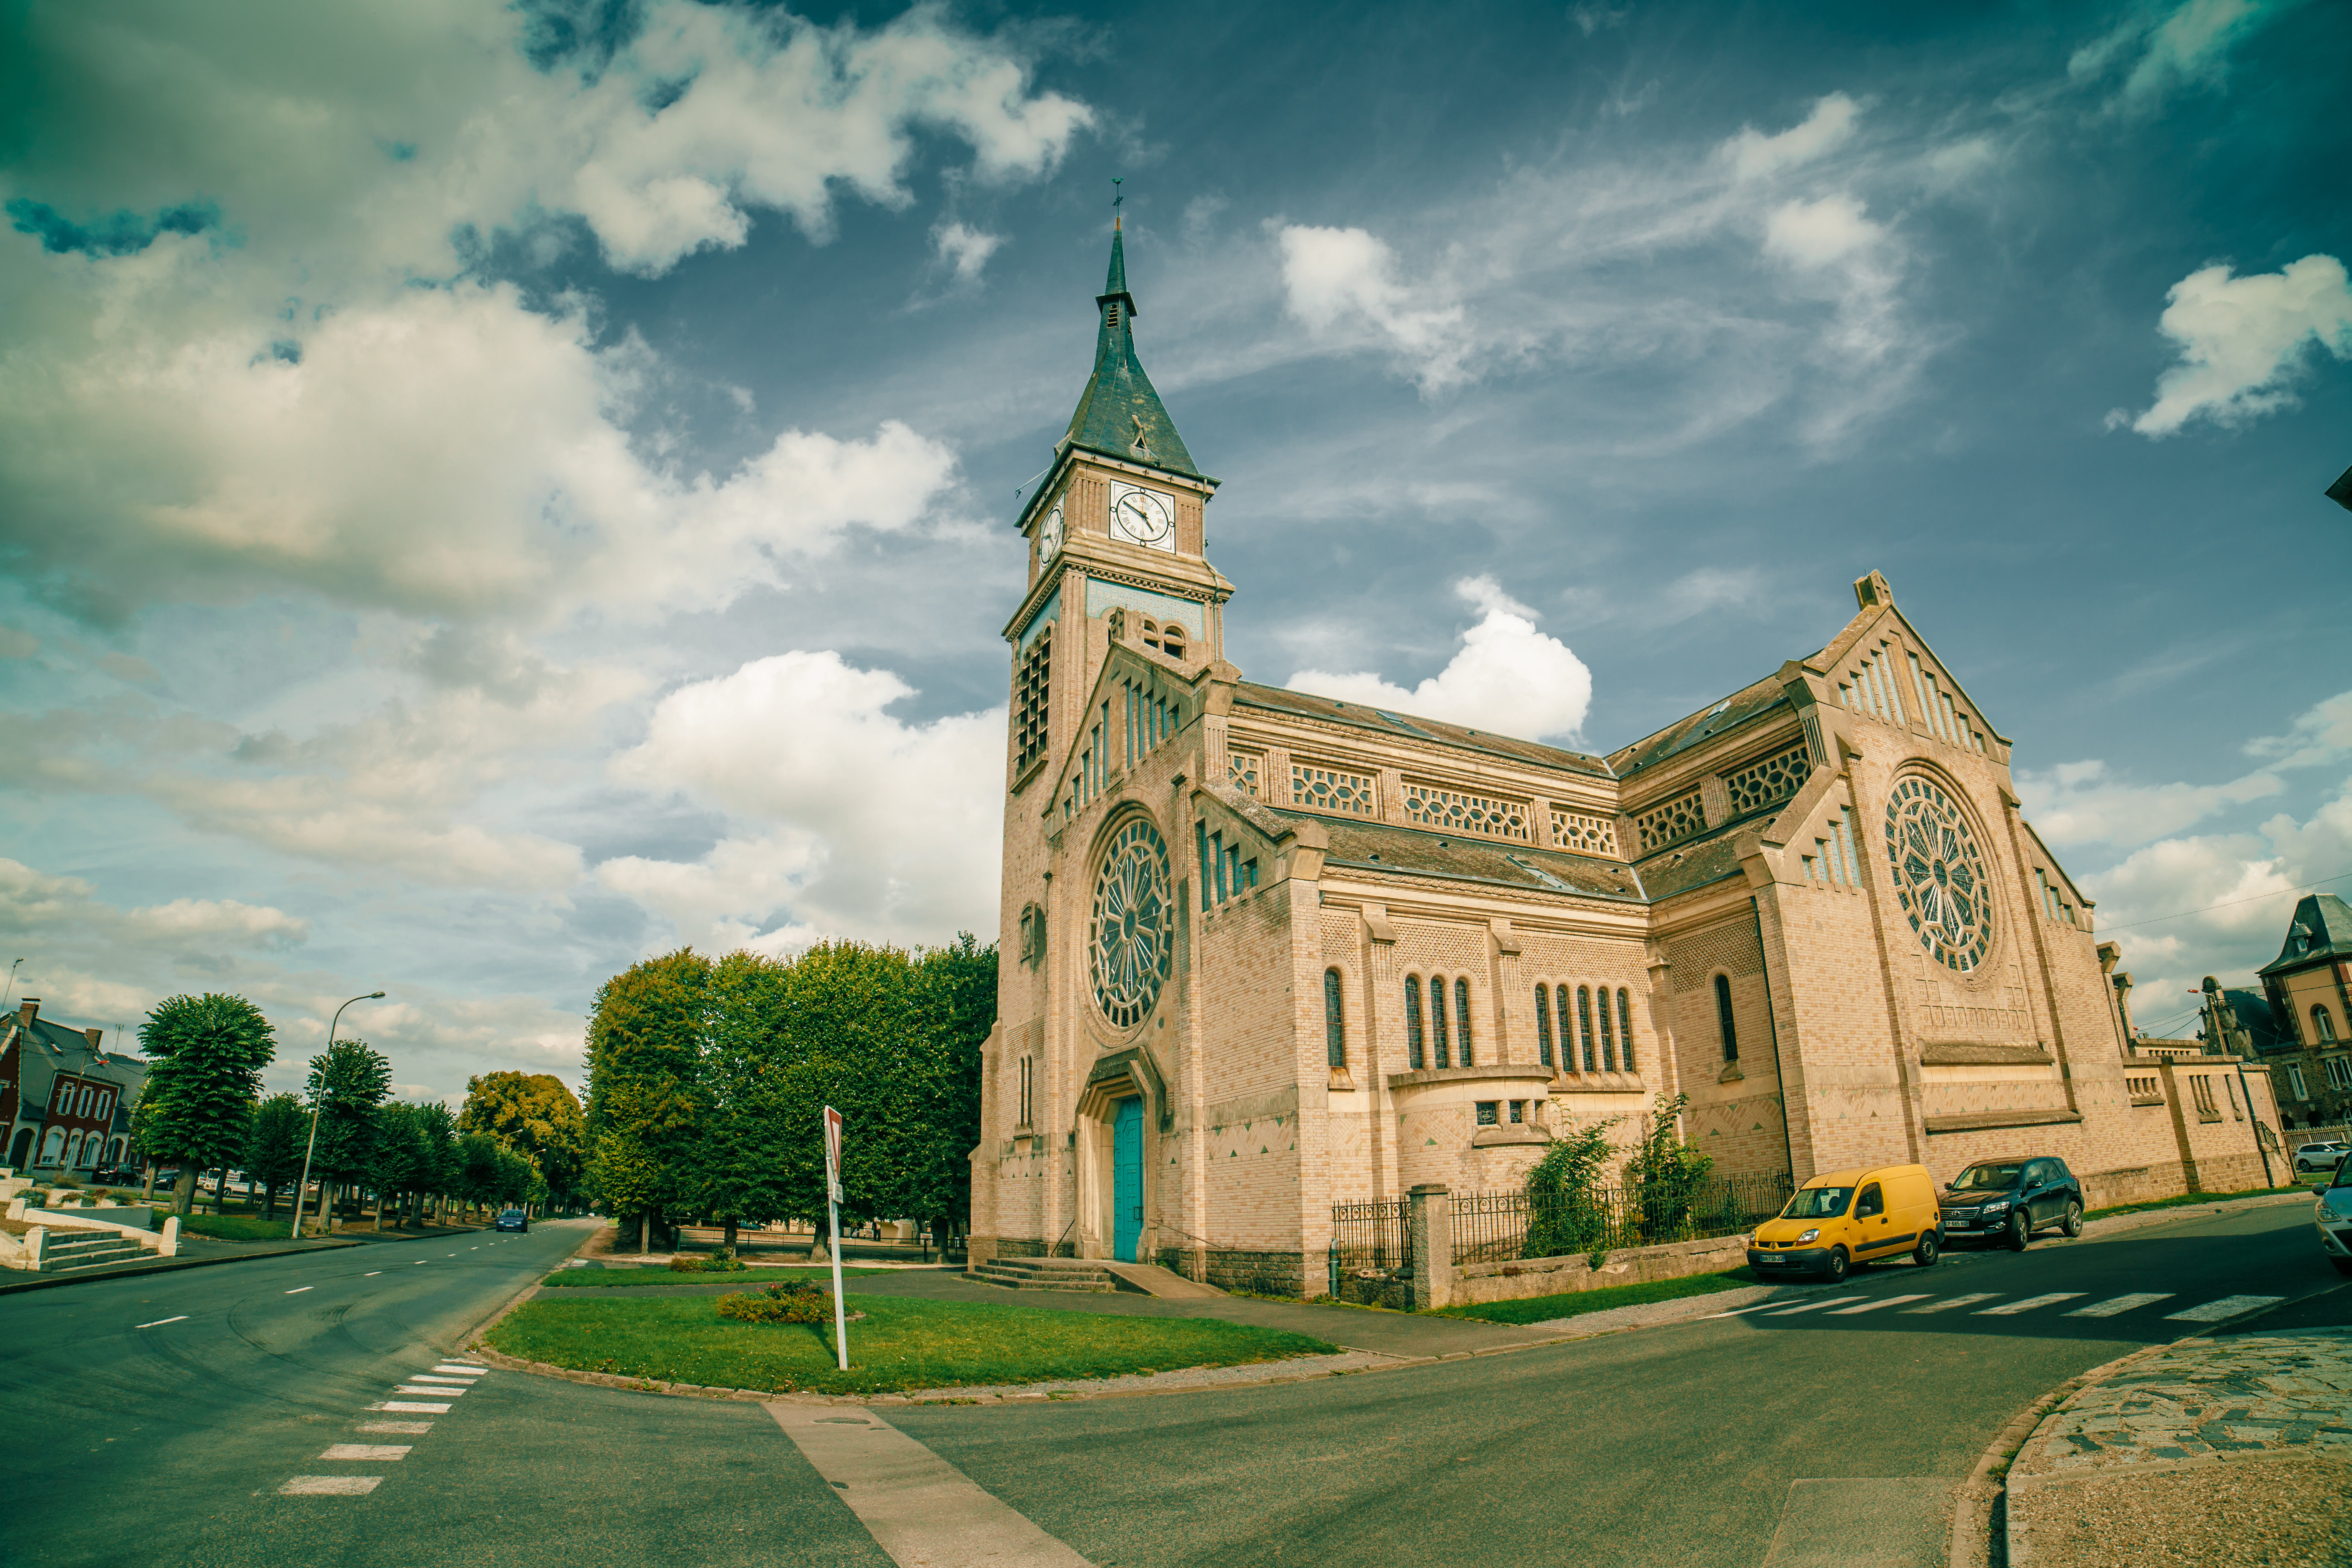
(149, 1196)
(268, 1202)
(184, 1193)
(644, 1231)
(730, 1236)
(379, 1211)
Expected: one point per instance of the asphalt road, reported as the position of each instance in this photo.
(1772, 1436)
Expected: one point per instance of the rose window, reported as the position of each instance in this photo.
(1134, 931)
(1939, 874)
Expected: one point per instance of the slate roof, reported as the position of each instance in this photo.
(1412, 852)
(1120, 414)
(1747, 704)
(2261, 1021)
(2321, 930)
(1380, 721)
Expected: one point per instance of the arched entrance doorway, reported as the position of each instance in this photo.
(1127, 1180)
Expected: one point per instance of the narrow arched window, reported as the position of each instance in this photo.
(1567, 1030)
(1414, 1059)
(1626, 1027)
(1437, 1020)
(53, 1147)
(1543, 1026)
(1723, 1020)
(1462, 1018)
(1335, 1029)
(1607, 1034)
(2323, 1025)
(1584, 1026)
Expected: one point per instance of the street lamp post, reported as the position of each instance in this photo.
(302, 1187)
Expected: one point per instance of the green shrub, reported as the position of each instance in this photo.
(1566, 1214)
(1665, 1177)
(792, 1301)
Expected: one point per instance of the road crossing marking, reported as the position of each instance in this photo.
(459, 1366)
(428, 1377)
(2227, 1306)
(1814, 1306)
(2010, 1308)
(366, 1451)
(161, 1321)
(1756, 1307)
(1946, 1306)
(1874, 1306)
(2120, 1304)
(300, 1288)
(423, 1261)
(330, 1486)
(435, 1390)
(413, 1427)
(413, 1406)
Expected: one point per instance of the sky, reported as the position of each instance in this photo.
(491, 493)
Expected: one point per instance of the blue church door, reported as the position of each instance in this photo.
(1126, 1180)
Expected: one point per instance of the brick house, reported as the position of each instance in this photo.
(65, 1100)
(1268, 951)
(2309, 987)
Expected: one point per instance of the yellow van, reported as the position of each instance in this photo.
(1845, 1218)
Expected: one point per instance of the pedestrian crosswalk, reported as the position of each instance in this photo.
(1992, 1304)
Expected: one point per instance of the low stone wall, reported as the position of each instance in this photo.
(1558, 1275)
(1258, 1273)
(2132, 1184)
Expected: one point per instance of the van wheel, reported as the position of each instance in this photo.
(1836, 1272)
(1927, 1251)
(2072, 1224)
(2020, 1230)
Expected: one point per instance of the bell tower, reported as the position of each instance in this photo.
(1117, 525)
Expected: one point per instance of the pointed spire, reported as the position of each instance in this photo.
(1120, 414)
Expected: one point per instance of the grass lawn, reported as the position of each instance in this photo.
(1576, 1304)
(901, 1344)
(2188, 1198)
(608, 1279)
(236, 1226)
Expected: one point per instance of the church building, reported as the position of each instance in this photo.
(1266, 951)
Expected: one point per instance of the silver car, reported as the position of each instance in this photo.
(2332, 1216)
(2313, 1159)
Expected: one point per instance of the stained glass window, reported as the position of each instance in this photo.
(1335, 1031)
(1133, 933)
(1462, 1018)
(1939, 874)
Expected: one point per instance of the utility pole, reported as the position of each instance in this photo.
(317, 1099)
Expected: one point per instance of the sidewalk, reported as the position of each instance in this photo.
(2212, 1450)
(202, 1251)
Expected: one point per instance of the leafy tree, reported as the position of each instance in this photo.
(1665, 1175)
(535, 1114)
(646, 1045)
(480, 1178)
(349, 1080)
(441, 1169)
(1566, 1211)
(207, 1053)
(273, 1152)
(625, 1179)
(404, 1160)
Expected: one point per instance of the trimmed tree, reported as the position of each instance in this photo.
(207, 1053)
(273, 1153)
(646, 1044)
(349, 1080)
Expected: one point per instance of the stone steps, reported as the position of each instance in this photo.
(1045, 1274)
(66, 1251)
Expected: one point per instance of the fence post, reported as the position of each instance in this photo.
(1430, 1213)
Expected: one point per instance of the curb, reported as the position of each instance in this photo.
(169, 1266)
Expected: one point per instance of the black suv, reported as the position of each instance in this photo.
(2012, 1199)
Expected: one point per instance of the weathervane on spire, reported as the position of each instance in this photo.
(1118, 198)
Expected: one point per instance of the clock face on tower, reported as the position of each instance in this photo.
(1049, 534)
(1143, 516)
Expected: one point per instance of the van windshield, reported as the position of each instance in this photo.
(1990, 1177)
(1817, 1203)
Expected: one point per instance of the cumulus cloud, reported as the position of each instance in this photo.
(2244, 341)
(965, 250)
(1343, 279)
(1508, 676)
(844, 820)
(1752, 155)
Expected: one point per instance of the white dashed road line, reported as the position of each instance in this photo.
(1874, 1306)
(371, 1273)
(920, 1509)
(300, 1288)
(330, 1486)
(2010, 1308)
(1756, 1307)
(2227, 1306)
(1955, 1301)
(2108, 1309)
(161, 1321)
(367, 1451)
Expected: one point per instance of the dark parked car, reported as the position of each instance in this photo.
(514, 1219)
(2012, 1199)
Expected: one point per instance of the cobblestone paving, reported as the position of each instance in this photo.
(2257, 1394)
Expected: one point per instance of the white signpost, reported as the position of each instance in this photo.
(833, 1209)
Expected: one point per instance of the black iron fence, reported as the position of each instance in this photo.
(1504, 1228)
(1370, 1239)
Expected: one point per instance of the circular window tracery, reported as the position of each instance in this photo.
(1133, 934)
(1939, 874)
